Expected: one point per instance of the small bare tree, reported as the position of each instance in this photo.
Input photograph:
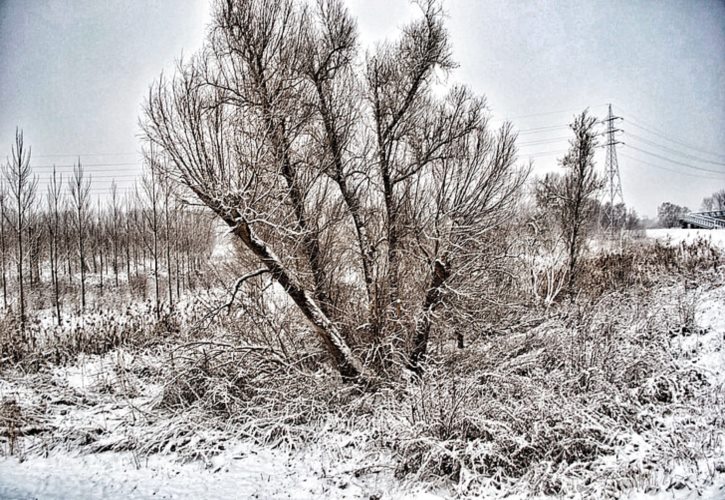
(80, 192)
(150, 198)
(571, 197)
(54, 200)
(167, 197)
(3, 247)
(115, 214)
(714, 202)
(22, 186)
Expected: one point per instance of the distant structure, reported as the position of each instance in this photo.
(613, 180)
(704, 220)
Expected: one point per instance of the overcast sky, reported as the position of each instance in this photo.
(73, 75)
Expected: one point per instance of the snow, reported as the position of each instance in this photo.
(246, 472)
(101, 396)
(329, 467)
(677, 235)
(710, 316)
(223, 249)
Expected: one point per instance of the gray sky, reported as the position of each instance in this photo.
(73, 74)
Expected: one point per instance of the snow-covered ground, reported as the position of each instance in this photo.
(107, 393)
(330, 467)
(678, 235)
(245, 472)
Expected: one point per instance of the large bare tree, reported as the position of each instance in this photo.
(350, 179)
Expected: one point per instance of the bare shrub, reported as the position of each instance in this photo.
(138, 284)
(648, 264)
(11, 423)
(547, 404)
(97, 333)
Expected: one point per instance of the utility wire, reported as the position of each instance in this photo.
(675, 151)
(543, 153)
(543, 141)
(702, 176)
(84, 165)
(66, 155)
(555, 112)
(542, 129)
(641, 124)
(675, 161)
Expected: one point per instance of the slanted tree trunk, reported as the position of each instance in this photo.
(350, 367)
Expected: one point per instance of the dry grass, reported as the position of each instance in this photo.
(543, 408)
(597, 398)
(97, 332)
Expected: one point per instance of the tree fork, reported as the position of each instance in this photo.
(350, 368)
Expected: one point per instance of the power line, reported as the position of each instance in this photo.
(686, 155)
(554, 112)
(676, 141)
(675, 161)
(542, 129)
(81, 155)
(544, 153)
(543, 141)
(688, 174)
(93, 176)
(641, 124)
(84, 165)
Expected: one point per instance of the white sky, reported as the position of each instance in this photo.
(73, 75)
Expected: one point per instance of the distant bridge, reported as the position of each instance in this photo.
(704, 220)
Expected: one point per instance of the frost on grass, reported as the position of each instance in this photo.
(618, 393)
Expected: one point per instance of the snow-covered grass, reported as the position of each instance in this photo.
(110, 402)
(678, 235)
(619, 393)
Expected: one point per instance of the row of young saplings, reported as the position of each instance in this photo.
(81, 248)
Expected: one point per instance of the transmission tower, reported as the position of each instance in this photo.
(613, 180)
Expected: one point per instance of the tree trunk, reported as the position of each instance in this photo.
(349, 366)
(440, 273)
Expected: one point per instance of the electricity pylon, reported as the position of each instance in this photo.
(613, 183)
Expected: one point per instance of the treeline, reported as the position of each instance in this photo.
(58, 242)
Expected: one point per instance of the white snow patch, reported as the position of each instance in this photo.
(246, 472)
(678, 235)
(710, 315)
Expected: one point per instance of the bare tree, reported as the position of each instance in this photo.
(166, 192)
(571, 196)
(99, 241)
(715, 202)
(115, 215)
(22, 185)
(150, 198)
(54, 202)
(329, 175)
(3, 248)
(669, 214)
(80, 190)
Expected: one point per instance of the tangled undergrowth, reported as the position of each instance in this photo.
(646, 264)
(44, 343)
(548, 408)
(548, 405)
(599, 397)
